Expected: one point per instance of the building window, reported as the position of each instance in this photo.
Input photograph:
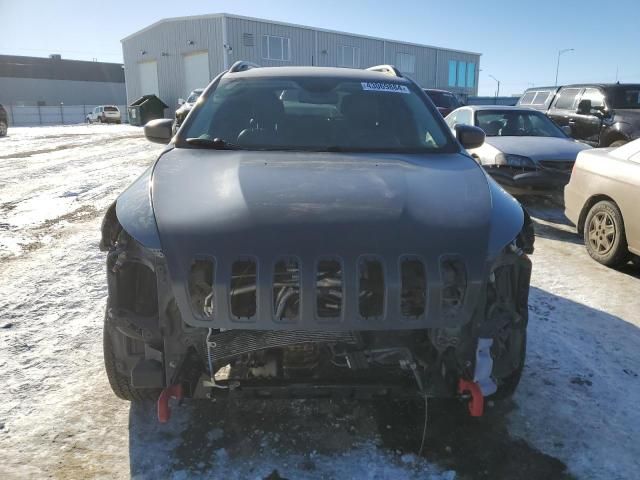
(406, 62)
(276, 48)
(348, 56)
(462, 74)
(453, 72)
(471, 75)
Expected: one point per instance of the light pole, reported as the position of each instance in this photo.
(498, 90)
(560, 52)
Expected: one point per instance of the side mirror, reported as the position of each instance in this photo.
(468, 136)
(159, 131)
(566, 129)
(584, 107)
(181, 101)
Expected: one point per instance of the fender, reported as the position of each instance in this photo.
(616, 131)
(133, 212)
(507, 221)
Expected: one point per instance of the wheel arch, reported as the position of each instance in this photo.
(589, 205)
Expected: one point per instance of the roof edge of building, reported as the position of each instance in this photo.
(287, 24)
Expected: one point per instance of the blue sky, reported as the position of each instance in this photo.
(518, 40)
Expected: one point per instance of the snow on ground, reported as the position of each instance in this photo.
(58, 417)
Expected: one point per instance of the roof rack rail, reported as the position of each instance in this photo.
(388, 69)
(242, 66)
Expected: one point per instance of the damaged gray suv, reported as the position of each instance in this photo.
(312, 232)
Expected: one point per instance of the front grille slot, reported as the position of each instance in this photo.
(371, 288)
(563, 166)
(243, 288)
(286, 289)
(201, 289)
(454, 285)
(329, 289)
(414, 288)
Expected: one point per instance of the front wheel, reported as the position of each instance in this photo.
(3, 128)
(120, 382)
(604, 234)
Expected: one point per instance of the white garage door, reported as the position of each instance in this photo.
(149, 78)
(196, 71)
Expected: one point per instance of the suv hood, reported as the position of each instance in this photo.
(235, 204)
(539, 148)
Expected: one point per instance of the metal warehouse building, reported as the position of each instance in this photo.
(174, 56)
(37, 81)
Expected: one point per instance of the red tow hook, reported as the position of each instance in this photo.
(172, 391)
(476, 402)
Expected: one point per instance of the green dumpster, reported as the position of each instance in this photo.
(146, 108)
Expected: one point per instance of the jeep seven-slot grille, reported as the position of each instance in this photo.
(374, 284)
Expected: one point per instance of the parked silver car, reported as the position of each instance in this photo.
(602, 201)
(524, 151)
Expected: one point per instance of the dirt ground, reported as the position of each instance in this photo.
(574, 415)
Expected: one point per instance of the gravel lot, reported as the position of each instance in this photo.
(575, 414)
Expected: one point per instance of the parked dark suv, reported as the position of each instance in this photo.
(3, 121)
(602, 115)
(320, 231)
(445, 101)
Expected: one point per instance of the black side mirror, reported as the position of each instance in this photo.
(468, 136)
(584, 107)
(159, 131)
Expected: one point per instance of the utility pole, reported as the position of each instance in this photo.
(498, 81)
(560, 52)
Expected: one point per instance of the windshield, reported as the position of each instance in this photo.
(626, 97)
(516, 123)
(443, 99)
(318, 114)
(193, 96)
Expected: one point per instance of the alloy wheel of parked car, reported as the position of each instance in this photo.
(3, 128)
(604, 234)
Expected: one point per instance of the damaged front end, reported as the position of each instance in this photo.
(157, 349)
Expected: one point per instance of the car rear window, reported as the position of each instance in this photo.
(110, 109)
(318, 114)
(443, 99)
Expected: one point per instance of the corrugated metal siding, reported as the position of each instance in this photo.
(29, 91)
(371, 51)
(308, 46)
(172, 39)
(424, 73)
(301, 42)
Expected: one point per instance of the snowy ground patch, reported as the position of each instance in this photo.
(576, 404)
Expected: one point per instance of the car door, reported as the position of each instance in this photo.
(564, 107)
(586, 126)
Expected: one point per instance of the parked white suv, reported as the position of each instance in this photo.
(104, 114)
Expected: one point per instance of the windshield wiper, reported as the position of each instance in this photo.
(215, 143)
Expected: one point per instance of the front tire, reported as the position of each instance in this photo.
(121, 383)
(3, 128)
(604, 234)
